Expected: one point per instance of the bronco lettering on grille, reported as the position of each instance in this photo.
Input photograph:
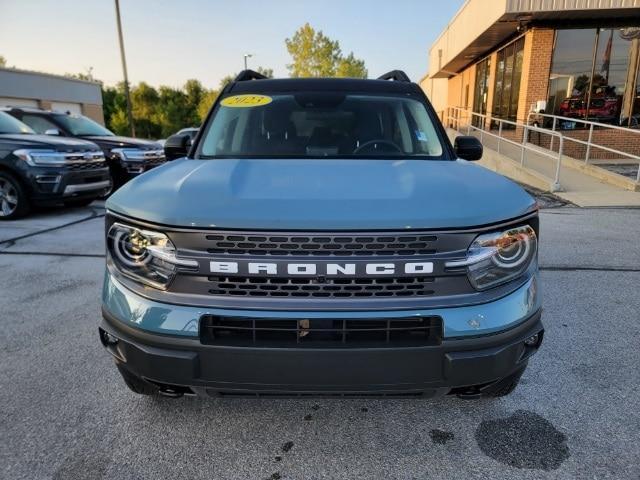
(321, 268)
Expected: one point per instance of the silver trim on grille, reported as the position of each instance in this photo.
(85, 187)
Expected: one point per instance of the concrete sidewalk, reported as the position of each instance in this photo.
(539, 171)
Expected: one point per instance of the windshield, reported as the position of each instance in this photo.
(80, 125)
(8, 124)
(320, 125)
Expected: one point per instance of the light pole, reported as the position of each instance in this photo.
(124, 71)
(247, 55)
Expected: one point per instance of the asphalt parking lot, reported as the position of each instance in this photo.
(65, 412)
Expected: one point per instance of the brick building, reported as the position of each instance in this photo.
(580, 57)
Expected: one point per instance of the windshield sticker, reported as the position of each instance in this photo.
(421, 136)
(244, 101)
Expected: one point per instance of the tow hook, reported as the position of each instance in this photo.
(170, 392)
(471, 394)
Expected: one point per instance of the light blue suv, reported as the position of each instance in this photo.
(322, 237)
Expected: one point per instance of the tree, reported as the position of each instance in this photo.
(194, 92)
(113, 100)
(227, 79)
(172, 111)
(144, 103)
(82, 76)
(118, 122)
(3, 61)
(351, 67)
(160, 112)
(313, 54)
(316, 55)
(267, 72)
(205, 103)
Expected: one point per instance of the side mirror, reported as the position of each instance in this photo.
(468, 148)
(52, 131)
(177, 146)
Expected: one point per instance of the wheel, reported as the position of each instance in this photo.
(505, 386)
(135, 383)
(82, 202)
(13, 198)
(112, 187)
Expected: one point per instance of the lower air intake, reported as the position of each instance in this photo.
(320, 333)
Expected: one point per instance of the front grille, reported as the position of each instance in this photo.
(329, 288)
(333, 245)
(87, 165)
(320, 291)
(81, 157)
(153, 162)
(320, 333)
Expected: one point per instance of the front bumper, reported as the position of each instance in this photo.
(160, 343)
(52, 185)
(465, 365)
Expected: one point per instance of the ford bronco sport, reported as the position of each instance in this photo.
(322, 237)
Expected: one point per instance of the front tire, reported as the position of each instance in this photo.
(14, 202)
(112, 187)
(135, 383)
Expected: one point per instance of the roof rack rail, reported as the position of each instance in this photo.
(396, 75)
(249, 75)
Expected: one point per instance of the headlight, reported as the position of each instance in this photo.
(42, 158)
(144, 255)
(51, 158)
(496, 258)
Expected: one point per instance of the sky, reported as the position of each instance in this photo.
(168, 42)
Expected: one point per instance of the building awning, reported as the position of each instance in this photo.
(481, 25)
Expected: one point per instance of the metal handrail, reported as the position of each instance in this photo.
(586, 122)
(589, 143)
(524, 144)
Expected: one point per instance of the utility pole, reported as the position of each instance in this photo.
(247, 55)
(124, 71)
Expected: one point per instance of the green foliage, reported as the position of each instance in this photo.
(227, 79)
(316, 55)
(3, 61)
(114, 107)
(173, 111)
(205, 103)
(118, 123)
(82, 76)
(194, 92)
(144, 107)
(157, 113)
(351, 67)
(267, 72)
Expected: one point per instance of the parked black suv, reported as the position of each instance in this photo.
(127, 157)
(44, 170)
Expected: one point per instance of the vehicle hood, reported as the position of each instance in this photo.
(112, 141)
(47, 141)
(321, 195)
